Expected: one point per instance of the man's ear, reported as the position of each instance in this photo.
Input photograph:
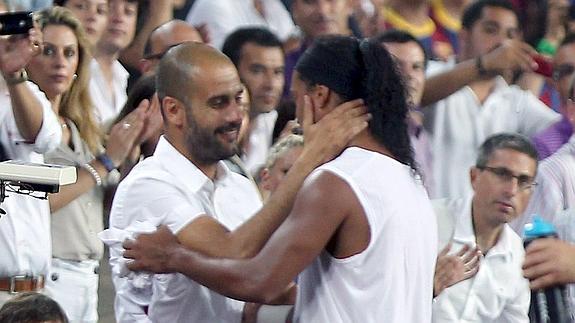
(320, 96)
(473, 175)
(174, 111)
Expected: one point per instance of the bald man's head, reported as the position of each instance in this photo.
(184, 63)
(169, 34)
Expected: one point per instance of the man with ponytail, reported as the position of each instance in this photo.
(361, 234)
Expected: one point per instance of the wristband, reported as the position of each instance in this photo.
(107, 162)
(20, 78)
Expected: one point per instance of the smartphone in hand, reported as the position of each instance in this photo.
(544, 65)
(13, 23)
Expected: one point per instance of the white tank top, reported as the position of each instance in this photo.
(392, 279)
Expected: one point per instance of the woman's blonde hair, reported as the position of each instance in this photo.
(76, 103)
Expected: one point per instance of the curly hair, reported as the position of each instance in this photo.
(364, 69)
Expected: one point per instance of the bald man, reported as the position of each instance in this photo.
(186, 186)
(169, 34)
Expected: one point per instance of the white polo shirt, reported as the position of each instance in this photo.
(25, 230)
(168, 189)
(498, 292)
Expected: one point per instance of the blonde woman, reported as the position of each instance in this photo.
(62, 72)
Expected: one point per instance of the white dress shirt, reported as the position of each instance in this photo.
(108, 102)
(259, 141)
(25, 242)
(223, 17)
(555, 191)
(460, 123)
(168, 189)
(498, 292)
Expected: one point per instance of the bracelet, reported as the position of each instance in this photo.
(94, 173)
(107, 162)
(20, 78)
(480, 68)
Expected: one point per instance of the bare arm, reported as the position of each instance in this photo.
(511, 55)
(159, 12)
(323, 141)
(322, 205)
(15, 53)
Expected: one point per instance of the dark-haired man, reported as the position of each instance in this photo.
(461, 122)
(258, 55)
(502, 179)
(186, 186)
(551, 139)
(109, 78)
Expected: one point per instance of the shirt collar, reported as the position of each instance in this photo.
(182, 168)
(464, 233)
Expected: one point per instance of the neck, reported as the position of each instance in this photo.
(415, 12)
(104, 56)
(486, 233)
(209, 169)
(482, 88)
(55, 102)
(366, 140)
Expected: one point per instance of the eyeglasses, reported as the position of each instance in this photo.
(562, 71)
(524, 182)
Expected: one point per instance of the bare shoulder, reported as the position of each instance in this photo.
(326, 190)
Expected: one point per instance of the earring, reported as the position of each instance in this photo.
(74, 76)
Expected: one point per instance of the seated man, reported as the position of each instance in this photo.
(502, 180)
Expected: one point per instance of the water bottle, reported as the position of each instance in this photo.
(548, 305)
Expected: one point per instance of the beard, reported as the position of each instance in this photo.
(204, 144)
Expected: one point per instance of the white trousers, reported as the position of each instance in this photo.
(74, 285)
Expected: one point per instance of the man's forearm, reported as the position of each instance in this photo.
(442, 85)
(248, 239)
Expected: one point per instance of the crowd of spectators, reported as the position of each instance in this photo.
(489, 87)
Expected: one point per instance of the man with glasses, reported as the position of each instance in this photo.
(551, 139)
(502, 180)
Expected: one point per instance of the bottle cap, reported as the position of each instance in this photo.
(538, 228)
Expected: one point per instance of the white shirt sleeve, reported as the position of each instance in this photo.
(536, 115)
(50, 133)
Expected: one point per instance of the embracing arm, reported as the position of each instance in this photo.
(315, 217)
(323, 140)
